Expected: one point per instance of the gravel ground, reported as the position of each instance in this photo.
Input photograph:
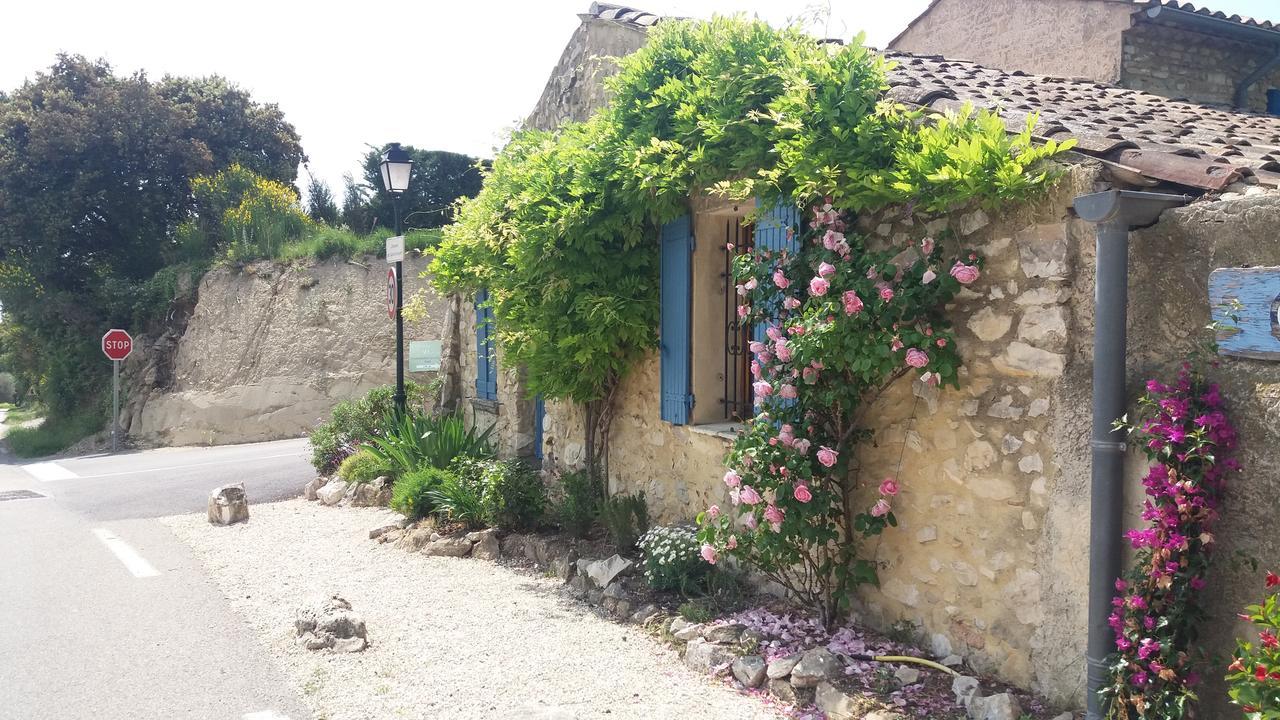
(448, 638)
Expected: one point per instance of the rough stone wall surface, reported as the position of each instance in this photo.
(576, 86)
(1179, 63)
(1180, 252)
(271, 348)
(511, 414)
(1063, 38)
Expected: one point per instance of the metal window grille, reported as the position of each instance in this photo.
(736, 400)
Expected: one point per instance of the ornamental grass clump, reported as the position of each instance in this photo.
(843, 322)
(1253, 677)
(1185, 434)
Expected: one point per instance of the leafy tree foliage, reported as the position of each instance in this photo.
(438, 179)
(95, 177)
(321, 207)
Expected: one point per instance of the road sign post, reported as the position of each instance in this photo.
(116, 345)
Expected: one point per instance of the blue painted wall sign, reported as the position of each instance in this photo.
(1253, 296)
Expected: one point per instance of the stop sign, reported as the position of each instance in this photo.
(117, 344)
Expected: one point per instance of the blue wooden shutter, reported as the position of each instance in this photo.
(674, 334)
(539, 409)
(486, 360)
(771, 234)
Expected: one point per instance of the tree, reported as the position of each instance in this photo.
(356, 213)
(320, 205)
(439, 178)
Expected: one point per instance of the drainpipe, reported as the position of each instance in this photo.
(1115, 212)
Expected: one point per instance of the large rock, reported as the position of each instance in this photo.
(782, 667)
(602, 572)
(375, 493)
(749, 670)
(688, 632)
(448, 547)
(725, 634)
(704, 656)
(964, 688)
(840, 705)
(484, 544)
(310, 489)
(330, 624)
(997, 707)
(332, 492)
(815, 666)
(228, 504)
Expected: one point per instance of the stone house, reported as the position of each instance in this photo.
(1165, 47)
(992, 557)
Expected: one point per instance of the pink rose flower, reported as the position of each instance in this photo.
(896, 345)
(729, 247)
(852, 303)
(964, 273)
(788, 392)
(810, 375)
(827, 456)
(802, 494)
(751, 284)
(926, 246)
(732, 479)
(732, 542)
(774, 516)
(709, 553)
(783, 350)
(917, 358)
(826, 269)
(755, 369)
(749, 496)
(889, 487)
(818, 286)
(713, 512)
(773, 332)
(790, 303)
(744, 310)
(886, 293)
(830, 239)
(780, 280)
(941, 342)
(756, 347)
(881, 508)
(929, 276)
(802, 446)
(762, 389)
(749, 521)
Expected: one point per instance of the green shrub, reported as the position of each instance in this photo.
(514, 495)
(53, 435)
(411, 495)
(412, 441)
(579, 504)
(626, 517)
(362, 466)
(353, 422)
(696, 611)
(460, 499)
(672, 559)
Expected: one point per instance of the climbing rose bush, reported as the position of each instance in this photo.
(841, 323)
(1186, 436)
(1254, 674)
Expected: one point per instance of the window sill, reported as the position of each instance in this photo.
(485, 405)
(724, 431)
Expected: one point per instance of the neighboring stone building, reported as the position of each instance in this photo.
(991, 557)
(1164, 47)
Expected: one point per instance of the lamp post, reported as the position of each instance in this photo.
(396, 165)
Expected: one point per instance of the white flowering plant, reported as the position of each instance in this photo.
(672, 559)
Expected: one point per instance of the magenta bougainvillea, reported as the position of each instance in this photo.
(1186, 435)
(843, 322)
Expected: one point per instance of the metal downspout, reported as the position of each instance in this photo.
(1115, 212)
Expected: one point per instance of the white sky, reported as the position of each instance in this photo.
(437, 75)
(447, 75)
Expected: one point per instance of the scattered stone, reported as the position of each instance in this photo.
(1065, 716)
(1010, 444)
(1005, 409)
(907, 675)
(965, 689)
(839, 705)
(989, 325)
(884, 715)
(927, 534)
(1039, 407)
(749, 670)
(784, 691)
(562, 567)
(417, 538)
(622, 608)
(486, 548)
(375, 493)
(578, 585)
(594, 597)
(602, 572)
(704, 656)
(1022, 360)
(332, 492)
(447, 547)
(725, 634)
(973, 222)
(309, 491)
(616, 591)
(689, 632)
(376, 533)
(815, 666)
(645, 614)
(228, 505)
(997, 707)
(782, 667)
(952, 660)
(940, 645)
(331, 624)
(1031, 464)
(677, 624)
(392, 536)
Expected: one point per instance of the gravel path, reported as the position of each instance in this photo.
(449, 638)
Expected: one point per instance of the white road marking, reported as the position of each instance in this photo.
(72, 475)
(134, 562)
(265, 715)
(46, 471)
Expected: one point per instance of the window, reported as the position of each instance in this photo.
(486, 357)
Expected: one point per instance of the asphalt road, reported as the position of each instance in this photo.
(104, 614)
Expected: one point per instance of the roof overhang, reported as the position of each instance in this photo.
(1212, 24)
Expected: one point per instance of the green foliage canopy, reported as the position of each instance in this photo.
(563, 234)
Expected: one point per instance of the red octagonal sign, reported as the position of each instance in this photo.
(117, 344)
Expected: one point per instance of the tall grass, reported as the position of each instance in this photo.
(53, 435)
(328, 242)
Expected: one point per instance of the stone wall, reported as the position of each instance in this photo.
(1179, 63)
(511, 414)
(269, 350)
(576, 86)
(1063, 38)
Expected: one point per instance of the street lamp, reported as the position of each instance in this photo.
(396, 167)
